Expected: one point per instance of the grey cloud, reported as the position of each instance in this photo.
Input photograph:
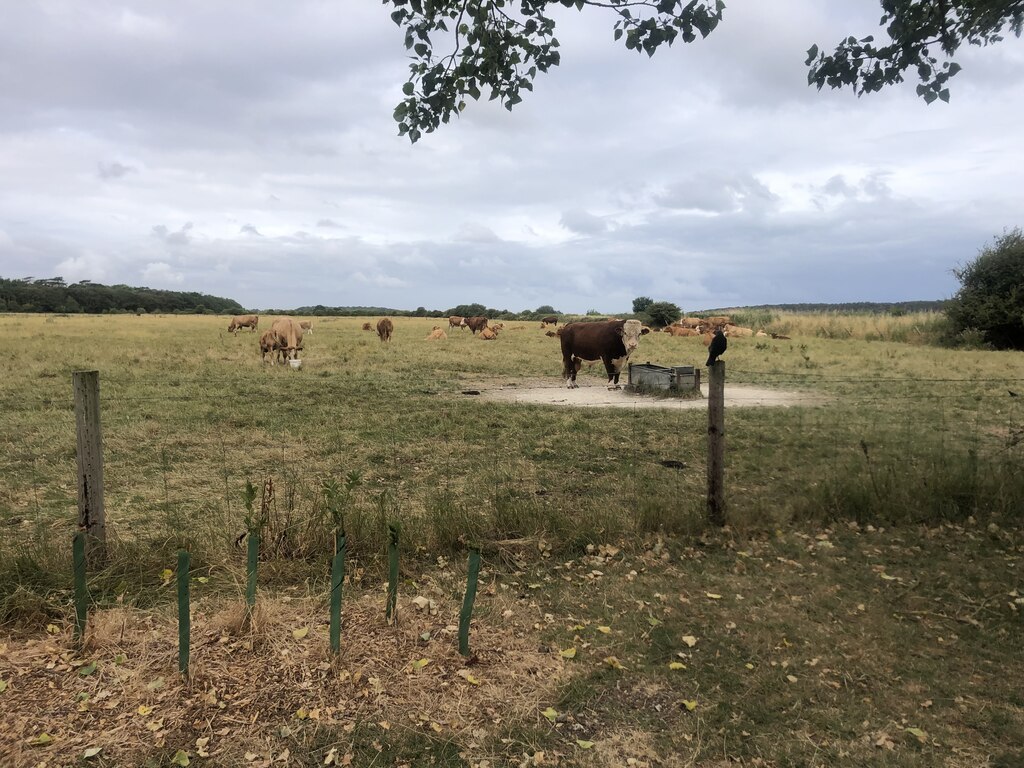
(712, 193)
(583, 223)
(115, 170)
(329, 224)
(180, 237)
(249, 229)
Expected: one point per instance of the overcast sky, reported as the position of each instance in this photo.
(248, 151)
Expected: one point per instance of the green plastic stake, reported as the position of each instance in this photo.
(81, 596)
(252, 559)
(390, 613)
(337, 580)
(184, 619)
(467, 604)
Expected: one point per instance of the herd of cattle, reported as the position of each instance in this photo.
(610, 341)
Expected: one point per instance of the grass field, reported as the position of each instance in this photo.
(873, 553)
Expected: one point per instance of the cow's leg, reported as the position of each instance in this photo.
(613, 367)
(569, 369)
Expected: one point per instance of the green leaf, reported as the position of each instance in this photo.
(180, 758)
(407, 89)
(584, 744)
(87, 670)
(41, 740)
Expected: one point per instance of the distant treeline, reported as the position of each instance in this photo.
(850, 308)
(54, 295)
(462, 310)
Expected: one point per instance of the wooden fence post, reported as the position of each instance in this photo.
(92, 517)
(716, 443)
(81, 592)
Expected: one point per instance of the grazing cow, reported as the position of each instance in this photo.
(271, 344)
(713, 322)
(738, 331)
(610, 342)
(716, 347)
(243, 321)
(676, 330)
(488, 334)
(306, 325)
(290, 337)
(476, 324)
(367, 327)
(437, 334)
(384, 329)
(549, 320)
(456, 322)
(690, 322)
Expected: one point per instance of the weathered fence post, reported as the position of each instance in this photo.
(467, 603)
(337, 582)
(716, 443)
(81, 595)
(184, 617)
(389, 613)
(92, 518)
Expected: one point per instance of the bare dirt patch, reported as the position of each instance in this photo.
(736, 396)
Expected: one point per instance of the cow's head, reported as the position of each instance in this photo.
(631, 330)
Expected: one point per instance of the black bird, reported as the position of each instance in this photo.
(717, 347)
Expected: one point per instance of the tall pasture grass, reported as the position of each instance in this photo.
(190, 415)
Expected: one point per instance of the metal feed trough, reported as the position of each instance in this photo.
(651, 376)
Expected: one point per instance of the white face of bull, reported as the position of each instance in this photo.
(631, 335)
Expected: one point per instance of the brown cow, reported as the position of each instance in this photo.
(243, 321)
(690, 322)
(675, 330)
(367, 327)
(611, 342)
(271, 344)
(476, 324)
(290, 337)
(738, 331)
(437, 334)
(549, 320)
(714, 322)
(488, 334)
(455, 321)
(306, 325)
(384, 329)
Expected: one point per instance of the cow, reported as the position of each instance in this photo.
(455, 321)
(476, 324)
(488, 334)
(611, 342)
(306, 325)
(714, 322)
(549, 320)
(437, 334)
(497, 327)
(367, 327)
(384, 329)
(289, 336)
(690, 322)
(738, 331)
(271, 344)
(676, 330)
(243, 321)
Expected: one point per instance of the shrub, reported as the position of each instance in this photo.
(991, 296)
(663, 313)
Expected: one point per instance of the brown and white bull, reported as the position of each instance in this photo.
(243, 321)
(455, 321)
(611, 342)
